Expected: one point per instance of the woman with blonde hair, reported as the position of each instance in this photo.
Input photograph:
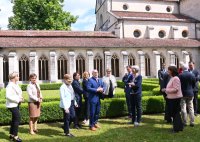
(13, 100)
(34, 102)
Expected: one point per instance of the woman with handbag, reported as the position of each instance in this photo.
(34, 103)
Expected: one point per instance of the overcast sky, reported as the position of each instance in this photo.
(82, 8)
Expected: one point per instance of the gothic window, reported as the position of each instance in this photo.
(80, 64)
(62, 67)
(98, 64)
(5, 69)
(43, 68)
(24, 68)
(176, 61)
(115, 65)
(147, 66)
(131, 60)
(162, 60)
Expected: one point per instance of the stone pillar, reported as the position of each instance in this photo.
(90, 61)
(53, 67)
(13, 62)
(157, 62)
(33, 65)
(172, 58)
(141, 62)
(125, 61)
(1, 71)
(107, 60)
(72, 62)
(186, 57)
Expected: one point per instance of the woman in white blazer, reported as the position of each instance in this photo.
(110, 82)
(67, 103)
(34, 103)
(13, 100)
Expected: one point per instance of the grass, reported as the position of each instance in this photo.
(153, 129)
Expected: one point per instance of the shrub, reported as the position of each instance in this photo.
(156, 91)
(109, 108)
(45, 86)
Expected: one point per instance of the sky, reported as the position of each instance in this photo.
(84, 9)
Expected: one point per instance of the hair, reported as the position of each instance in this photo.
(32, 75)
(184, 66)
(137, 69)
(13, 75)
(191, 62)
(173, 70)
(95, 70)
(75, 74)
(108, 69)
(129, 66)
(67, 76)
(84, 74)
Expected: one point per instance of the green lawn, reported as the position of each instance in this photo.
(153, 129)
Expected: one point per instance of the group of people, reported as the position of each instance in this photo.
(71, 92)
(180, 90)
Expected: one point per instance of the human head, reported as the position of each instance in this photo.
(108, 72)
(163, 66)
(95, 73)
(191, 65)
(128, 68)
(184, 67)
(33, 78)
(135, 69)
(76, 76)
(181, 64)
(68, 79)
(86, 75)
(14, 76)
(172, 70)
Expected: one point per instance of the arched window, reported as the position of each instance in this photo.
(43, 68)
(115, 65)
(23, 68)
(5, 69)
(80, 64)
(62, 66)
(147, 66)
(98, 64)
(176, 61)
(131, 60)
(162, 60)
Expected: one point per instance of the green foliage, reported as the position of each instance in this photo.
(44, 86)
(156, 91)
(40, 15)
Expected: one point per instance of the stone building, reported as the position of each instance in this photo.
(127, 32)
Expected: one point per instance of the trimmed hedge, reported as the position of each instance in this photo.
(44, 86)
(109, 108)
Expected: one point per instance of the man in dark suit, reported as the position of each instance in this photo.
(78, 96)
(95, 87)
(187, 84)
(128, 77)
(164, 78)
(196, 87)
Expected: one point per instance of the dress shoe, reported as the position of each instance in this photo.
(97, 126)
(93, 129)
(17, 139)
(69, 135)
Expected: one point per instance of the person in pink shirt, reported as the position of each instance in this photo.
(174, 94)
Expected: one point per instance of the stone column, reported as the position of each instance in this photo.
(172, 57)
(125, 61)
(107, 59)
(1, 71)
(53, 67)
(157, 62)
(141, 62)
(72, 62)
(13, 62)
(33, 65)
(90, 61)
(186, 57)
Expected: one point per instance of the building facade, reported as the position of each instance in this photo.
(127, 32)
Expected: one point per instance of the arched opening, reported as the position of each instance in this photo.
(62, 66)
(98, 64)
(24, 68)
(43, 68)
(115, 65)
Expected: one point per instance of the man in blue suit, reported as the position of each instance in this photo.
(95, 88)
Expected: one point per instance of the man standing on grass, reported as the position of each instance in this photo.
(95, 88)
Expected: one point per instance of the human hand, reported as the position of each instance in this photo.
(67, 110)
(21, 100)
(163, 90)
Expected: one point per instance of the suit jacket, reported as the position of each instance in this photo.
(197, 78)
(128, 78)
(137, 88)
(32, 92)
(162, 74)
(92, 86)
(78, 90)
(187, 83)
(85, 91)
(106, 81)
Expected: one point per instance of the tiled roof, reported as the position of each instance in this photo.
(58, 41)
(152, 16)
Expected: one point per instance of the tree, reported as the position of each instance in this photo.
(40, 15)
